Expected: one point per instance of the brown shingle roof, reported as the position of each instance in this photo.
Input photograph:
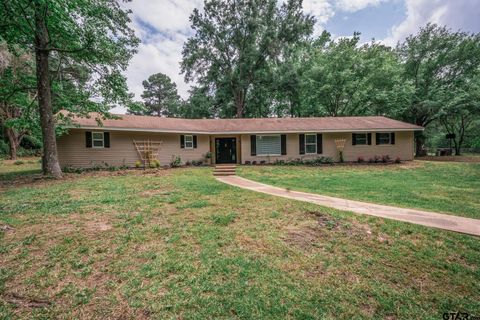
(255, 125)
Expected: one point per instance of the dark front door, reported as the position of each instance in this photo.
(226, 150)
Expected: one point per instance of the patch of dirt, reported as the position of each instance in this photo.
(310, 236)
(302, 238)
(471, 159)
(6, 228)
(25, 302)
(98, 226)
(325, 220)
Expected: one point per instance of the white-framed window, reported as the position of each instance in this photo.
(384, 137)
(360, 139)
(310, 143)
(188, 142)
(269, 145)
(98, 140)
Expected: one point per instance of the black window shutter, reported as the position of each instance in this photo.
(284, 144)
(319, 143)
(106, 139)
(369, 138)
(392, 138)
(377, 138)
(182, 141)
(194, 142)
(354, 139)
(253, 145)
(301, 143)
(88, 139)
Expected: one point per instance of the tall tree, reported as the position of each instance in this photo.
(93, 34)
(234, 42)
(435, 60)
(160, 97)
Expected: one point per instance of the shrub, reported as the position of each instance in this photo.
(397, 160)
(208, 155)
(176, 161)
(70, 169)
(155, 164)
(279, 162)
(254, 162)
(138, 164)
(327, 160)
(360, 160)
(18, 162)
(187, 163)
(371, 160)
(295, 162)
(377, 159)
(197, 162)
(385, 158)
(248, 162)
(263, 161)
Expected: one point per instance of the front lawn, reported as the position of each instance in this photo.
(452, 188)
(178, 244)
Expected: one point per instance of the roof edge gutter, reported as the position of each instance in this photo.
(241, 132)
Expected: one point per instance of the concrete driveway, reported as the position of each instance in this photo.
(425, 218)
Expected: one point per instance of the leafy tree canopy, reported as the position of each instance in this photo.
(234, 43)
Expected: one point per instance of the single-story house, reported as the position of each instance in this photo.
(116, 142)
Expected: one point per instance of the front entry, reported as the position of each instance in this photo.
(225, 150)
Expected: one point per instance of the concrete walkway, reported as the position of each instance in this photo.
(425, 218)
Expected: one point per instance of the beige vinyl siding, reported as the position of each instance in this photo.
(72, 150)
(402, 148)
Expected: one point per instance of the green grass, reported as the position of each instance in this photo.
(178, 244)
(452, 188)
(10, 169)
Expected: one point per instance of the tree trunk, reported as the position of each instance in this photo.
(14, 142)
(419, 142)
(50, 164)
(239, 96)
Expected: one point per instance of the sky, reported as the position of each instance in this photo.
(163, 26)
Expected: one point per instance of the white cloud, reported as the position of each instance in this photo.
(163, 26)
(356, 5)
(322, 10)
(456, 14)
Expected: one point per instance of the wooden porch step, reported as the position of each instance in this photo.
(224, 170)
(229, 173)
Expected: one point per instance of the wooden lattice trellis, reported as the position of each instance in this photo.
(148, 150)
(340, 144)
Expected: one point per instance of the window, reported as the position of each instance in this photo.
(383, 137)
(360, 139)
(310, 143)
(189, 142)
(269, 145)
(98, 140)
